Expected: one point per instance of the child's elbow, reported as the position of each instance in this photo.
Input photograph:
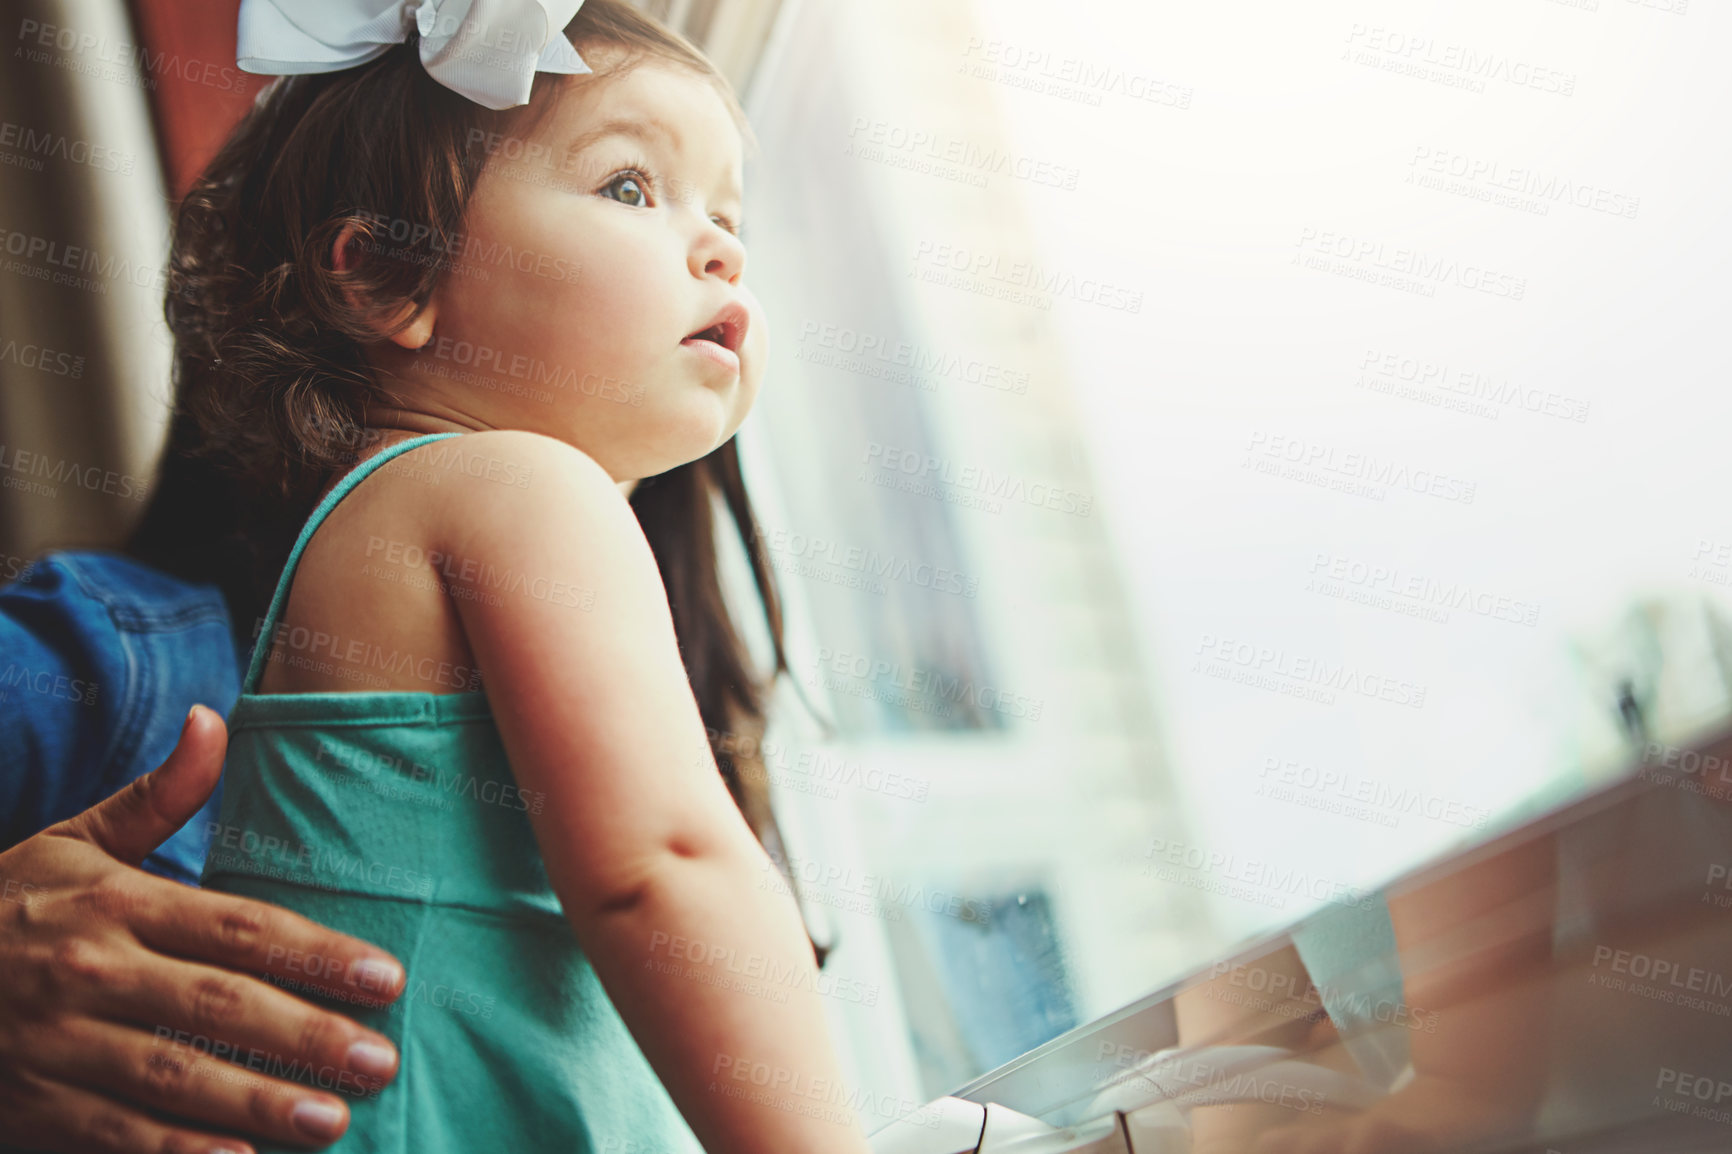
(676, 864)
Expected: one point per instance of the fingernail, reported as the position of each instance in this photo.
(377, 976)
(371, 1059)
(317, 1119)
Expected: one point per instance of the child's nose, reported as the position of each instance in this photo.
(718, 253)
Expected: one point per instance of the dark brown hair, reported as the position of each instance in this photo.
(270, 378)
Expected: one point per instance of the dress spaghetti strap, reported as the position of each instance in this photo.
(267, 629)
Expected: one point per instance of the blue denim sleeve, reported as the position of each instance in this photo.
(101, 657)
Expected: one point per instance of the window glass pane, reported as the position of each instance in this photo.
(1225, 456)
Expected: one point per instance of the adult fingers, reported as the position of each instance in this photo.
(238, 933)
(64, 1119)
(302, 1105)
(187, 1006)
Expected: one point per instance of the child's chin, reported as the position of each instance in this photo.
(672, 452)
(703, 423)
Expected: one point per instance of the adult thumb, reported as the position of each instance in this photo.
(142, 815)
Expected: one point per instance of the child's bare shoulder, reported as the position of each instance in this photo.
(507, 488)
(512, 458)
(505, 471)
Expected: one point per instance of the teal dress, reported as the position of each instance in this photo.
(394, 817)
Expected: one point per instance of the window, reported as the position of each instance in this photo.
(1216, 464)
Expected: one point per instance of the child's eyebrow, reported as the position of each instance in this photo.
(640, 127)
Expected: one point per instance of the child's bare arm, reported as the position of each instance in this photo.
(641, 838)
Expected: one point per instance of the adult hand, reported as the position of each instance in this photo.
(129, 1021)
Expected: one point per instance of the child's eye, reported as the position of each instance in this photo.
(728, 224)
(631, 188)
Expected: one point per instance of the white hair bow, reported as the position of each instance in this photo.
(489, 50)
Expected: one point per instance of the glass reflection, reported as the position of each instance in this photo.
(1566, 987)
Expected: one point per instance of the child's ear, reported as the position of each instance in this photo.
(419, 330)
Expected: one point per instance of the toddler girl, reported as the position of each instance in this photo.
(506, 350)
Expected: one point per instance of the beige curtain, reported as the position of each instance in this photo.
(84, 354)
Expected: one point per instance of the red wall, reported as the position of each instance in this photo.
(196, 92)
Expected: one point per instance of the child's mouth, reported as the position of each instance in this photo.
(720, 342)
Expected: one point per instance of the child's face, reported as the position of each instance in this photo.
(586, 264)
